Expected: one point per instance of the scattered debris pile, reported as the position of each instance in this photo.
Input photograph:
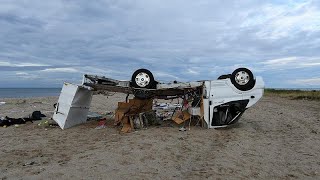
(94, 116)
(34, 116)
(165, 111)
(133, 111)
(138, 114)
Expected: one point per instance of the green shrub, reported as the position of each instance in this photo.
(294, 94)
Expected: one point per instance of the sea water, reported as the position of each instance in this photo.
(28, 92)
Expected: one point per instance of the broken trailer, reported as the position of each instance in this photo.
(218, 103)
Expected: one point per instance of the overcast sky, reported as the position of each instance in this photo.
(44, 43)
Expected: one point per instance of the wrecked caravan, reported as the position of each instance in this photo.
(218, 103)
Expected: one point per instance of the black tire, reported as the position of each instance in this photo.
(141, 82)
(225, 76)
(242, 79)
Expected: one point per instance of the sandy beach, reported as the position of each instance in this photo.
(276, 139)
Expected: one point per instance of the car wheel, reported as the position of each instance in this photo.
(143, 78)
(242, 79)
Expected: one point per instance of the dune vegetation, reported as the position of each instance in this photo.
(294, 94)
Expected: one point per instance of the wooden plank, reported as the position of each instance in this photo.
(126, 125)
(131, 122)
(110, 88)
(130, 90)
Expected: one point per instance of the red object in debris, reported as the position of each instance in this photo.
(102, 122)
(185, 104)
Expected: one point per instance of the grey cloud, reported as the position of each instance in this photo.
(170, 38)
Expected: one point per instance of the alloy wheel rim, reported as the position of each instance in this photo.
(242, 78)
(142, 79)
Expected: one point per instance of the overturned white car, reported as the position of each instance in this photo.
(220, 102)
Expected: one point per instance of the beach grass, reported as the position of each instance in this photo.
(294, 94)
